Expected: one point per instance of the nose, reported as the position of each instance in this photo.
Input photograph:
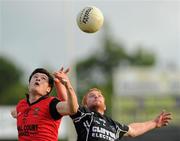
(96, 96)
(38, 79)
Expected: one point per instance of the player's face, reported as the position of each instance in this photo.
(95, 100)
(39, 84)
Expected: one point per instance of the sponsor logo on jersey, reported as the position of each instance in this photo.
(27, 130)
(100, 132)
(36, 111)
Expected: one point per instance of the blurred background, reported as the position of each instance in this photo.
(134, 58)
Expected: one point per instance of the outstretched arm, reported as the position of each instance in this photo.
(60, 88)
(136, 129)
(70, 104)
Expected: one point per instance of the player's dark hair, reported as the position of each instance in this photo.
(44, 71)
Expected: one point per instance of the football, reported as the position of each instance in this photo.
(90, 19)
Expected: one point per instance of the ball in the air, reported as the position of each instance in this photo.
(90, 19)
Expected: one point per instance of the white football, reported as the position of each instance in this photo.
(90, 19)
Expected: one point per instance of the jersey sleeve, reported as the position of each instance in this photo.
(121, 129)
(52, 108)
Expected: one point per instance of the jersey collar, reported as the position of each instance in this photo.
(41, 98)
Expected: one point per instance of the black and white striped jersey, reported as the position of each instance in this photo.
(92, 126)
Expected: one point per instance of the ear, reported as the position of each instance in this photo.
(48, 89)
(104, 107)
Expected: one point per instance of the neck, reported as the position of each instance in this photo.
(101, 112)
(98, 110)
(33, 98)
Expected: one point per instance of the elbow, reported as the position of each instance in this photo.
(132, 132)
(132, 135)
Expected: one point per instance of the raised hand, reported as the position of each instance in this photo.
(61, 76)
(163, 119)
(61, 79)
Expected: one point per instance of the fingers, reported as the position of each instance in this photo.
(166, 122)
(56, 80)
(61, 76)
(67, 70)
(61, 69)
(166, 117)
(162, 113)
(64, 71)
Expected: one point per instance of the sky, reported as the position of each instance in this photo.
(38, 33)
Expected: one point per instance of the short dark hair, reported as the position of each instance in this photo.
(44, 71)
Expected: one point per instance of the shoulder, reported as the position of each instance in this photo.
(51, 98)
(83, 109)
(21, 102)
(53, 101)
(118, 125)
(82, 112)
(121, 129)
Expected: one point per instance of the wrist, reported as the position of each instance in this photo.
(69, 87)
(155, 123)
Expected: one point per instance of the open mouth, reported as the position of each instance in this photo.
(36, 83)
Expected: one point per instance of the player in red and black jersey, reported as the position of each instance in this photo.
(39, 115)
(93, 125)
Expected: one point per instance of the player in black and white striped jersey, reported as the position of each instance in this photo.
(93, 125)
(90, 122)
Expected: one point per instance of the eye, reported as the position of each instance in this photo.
(43, 78)
(91, 95)
(100, 95)
(35, 76)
